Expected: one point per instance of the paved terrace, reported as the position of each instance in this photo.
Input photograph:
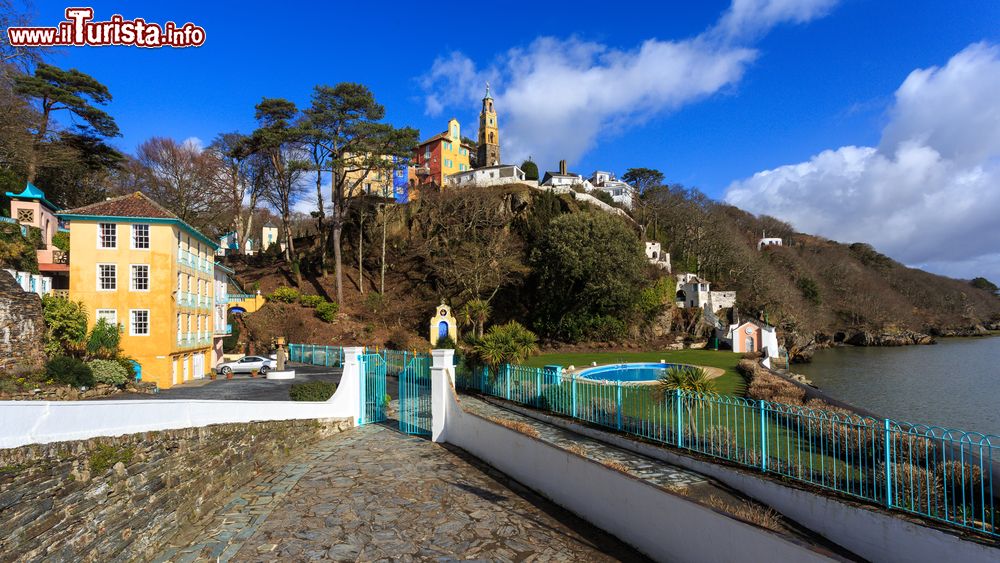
(372, 493)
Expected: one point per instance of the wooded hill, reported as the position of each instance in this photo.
(573, 273)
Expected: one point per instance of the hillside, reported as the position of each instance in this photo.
(484, 243)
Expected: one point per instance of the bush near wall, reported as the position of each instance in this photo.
(312, 391)
(327, 312)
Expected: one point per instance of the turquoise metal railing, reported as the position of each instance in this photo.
(374, 400)
(934, 472)
(415, 395)
(316, 354)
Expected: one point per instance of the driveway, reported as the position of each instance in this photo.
(245, 388)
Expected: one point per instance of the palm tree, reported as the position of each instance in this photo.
(476, 312)
(689, 379)
(509, 343)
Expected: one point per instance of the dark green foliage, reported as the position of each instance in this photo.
(810, 290)
(105, 456)
(530, 169)
(69, 371)
(588, 266)
(509, 343)
(311, 301)
(983, 283)
(104, 340)
(603, 196)
(327, 312)
(643, 179)
(545, 207)
(60, 240)
(312, 391)
(16, 251)
(445, 343)
(65, 325)
(72, 90)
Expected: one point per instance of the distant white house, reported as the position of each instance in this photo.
(565, 179)
(269, 236)
(656, 256)
(498, 175)
(695, 292)
(621, 192)
(768, 241)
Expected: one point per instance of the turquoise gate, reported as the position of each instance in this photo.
(374, 400)
(415, 396)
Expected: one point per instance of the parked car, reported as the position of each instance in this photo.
(247, 364)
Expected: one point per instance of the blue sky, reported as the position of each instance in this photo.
(605, 86)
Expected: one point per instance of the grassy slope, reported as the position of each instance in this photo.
(731, 383)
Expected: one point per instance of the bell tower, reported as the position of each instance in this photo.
(488, 152)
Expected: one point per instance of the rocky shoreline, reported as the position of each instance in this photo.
(801, 348)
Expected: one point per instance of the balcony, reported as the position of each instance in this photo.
(193, 340)
(187, 299)
(191, 260)
(224, 331)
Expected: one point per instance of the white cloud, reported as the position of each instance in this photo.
(928, 194)
(557, 96)
(195, 143)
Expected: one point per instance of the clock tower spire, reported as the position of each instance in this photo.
(488, 153)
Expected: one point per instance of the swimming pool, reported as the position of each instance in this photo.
(626, 373)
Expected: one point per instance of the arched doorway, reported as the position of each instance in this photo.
(442, 330)
(748, 344)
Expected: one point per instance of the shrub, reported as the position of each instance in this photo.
(374, 301)
(445, 343)
(311, 301)
(400, 339)
(810, 290)
(60, 240)
(312, 391)
(109, 372)
(509, 343)
(65, 324)
(69, 371)
(327, 311)
(104, 339)
(284, 295)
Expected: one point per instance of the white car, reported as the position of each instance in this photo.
(247, 364)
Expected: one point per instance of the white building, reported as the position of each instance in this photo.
(498, 175)
(766, 241)
(695, 292)
(656, 256)
(621, 192)
(565, 179)
(269, 236)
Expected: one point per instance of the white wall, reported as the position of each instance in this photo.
(868, 532)
(662, 525)
(41, 422)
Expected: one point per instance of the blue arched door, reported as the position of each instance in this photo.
(443, 329)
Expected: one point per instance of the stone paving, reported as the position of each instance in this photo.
(373, 493)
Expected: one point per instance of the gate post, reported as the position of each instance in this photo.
(442, 384)
(352, 383)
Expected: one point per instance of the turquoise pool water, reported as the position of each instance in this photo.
(626, 373)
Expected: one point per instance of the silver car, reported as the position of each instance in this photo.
(247, 364)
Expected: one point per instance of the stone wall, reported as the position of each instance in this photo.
(22, 329)
(123, 498)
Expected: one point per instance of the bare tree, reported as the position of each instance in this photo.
(183, 178)
(242, 178)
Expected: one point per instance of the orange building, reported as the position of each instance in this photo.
(441, 155)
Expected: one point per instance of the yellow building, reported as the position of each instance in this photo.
(137, 264)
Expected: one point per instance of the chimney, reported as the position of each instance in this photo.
(562, 167)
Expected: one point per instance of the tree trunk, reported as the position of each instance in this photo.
(320, 216)
(36, 144)
(338, 264)
(361, 253)
(385, 222)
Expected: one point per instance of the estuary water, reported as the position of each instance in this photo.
(955, 383)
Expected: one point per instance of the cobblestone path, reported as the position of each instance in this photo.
(372, 493)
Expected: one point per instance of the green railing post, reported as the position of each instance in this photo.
(312, 355)
(573, 383)
(619, 406)
(363, 369)
(888, 467)
(763, 437)
(678, 398)
(506, 376)
(326, 356)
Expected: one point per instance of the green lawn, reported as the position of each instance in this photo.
(730, 383)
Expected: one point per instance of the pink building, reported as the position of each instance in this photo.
(31, 209)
